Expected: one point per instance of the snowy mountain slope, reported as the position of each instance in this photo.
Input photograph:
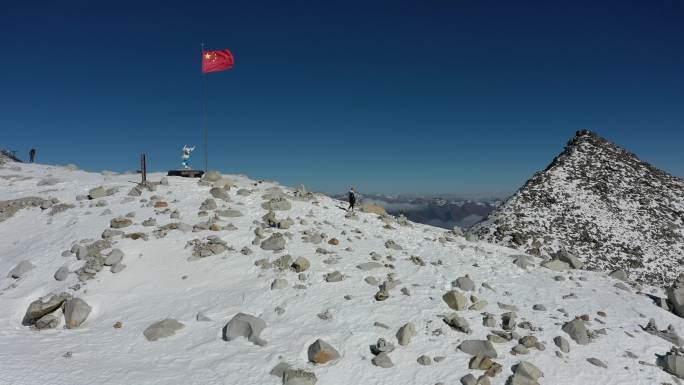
(159, 281)
(601, 203)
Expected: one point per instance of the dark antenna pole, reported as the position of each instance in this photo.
(143, 167)
(204, 113)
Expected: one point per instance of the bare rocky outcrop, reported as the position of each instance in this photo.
(563, 211)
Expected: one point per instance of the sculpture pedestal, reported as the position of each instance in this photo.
(186, 173)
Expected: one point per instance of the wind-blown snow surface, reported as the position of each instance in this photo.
(160, 282)
(601, 203)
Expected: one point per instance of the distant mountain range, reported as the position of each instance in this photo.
(441, 211)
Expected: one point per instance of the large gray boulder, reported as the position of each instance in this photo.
(300, 264)
(20, 269)
(121, 222)
(229, 213)
(62, 273)
(275, 242)
(276, 204)
(334, 276)
(219, 193)
(47, 322)
(458, 323)
(43, 306)
(321, 352)
(619, 274)
(562, 344)
(247, 326)
(525, 373)
(162, 329)
(455, 300)
(570, 259)
(382, 360)
(675, 296)
(208, 204)
(81, 251)
(97, 192)
(405, 333)
(524, 261)
(115, 256)
(478, 348)
(556, 265)
(464, 283)
(673, 363)
(76, 311)
(577, 331)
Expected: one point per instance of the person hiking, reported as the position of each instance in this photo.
(352, 199)
(32, 155)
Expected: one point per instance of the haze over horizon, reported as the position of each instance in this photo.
(391, 97)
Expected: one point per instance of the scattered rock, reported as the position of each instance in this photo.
(219, 193)
(424, 360)
(97, 192)
(335, 276)
(298, 377)
(478, 348)
(597, 362)
(382, 346)
(619, 274)
(673, 363)
(62, 273)
(675, 296)
(275, 242)
(525, 373)
(321, 352)
(405, 334)
(458, 323)
(20, 269)
(300, 264)
(366, 266)
(390, 244)
(245, 325)
(577, 331)
(76, 311)
(562, 344)
(162, 329)
(556, 265)
(47, 322)
(279, 283)
(277, 204)
(524, 261)
(117, 268)
(464, 283)
(570, 259)
(121, 222)
(43, 306)
(382, 360)
(115, 256)
(455, 300)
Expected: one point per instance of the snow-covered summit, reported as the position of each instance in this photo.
(603, 204)
(159, 283)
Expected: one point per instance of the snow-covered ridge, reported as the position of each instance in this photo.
(196, 255)
(601, 203)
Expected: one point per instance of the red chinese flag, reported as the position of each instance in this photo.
(216, 61)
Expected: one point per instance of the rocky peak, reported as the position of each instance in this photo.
(601, 202)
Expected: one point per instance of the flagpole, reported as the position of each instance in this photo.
(204, 114)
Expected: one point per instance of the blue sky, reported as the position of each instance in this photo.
(390, 96)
